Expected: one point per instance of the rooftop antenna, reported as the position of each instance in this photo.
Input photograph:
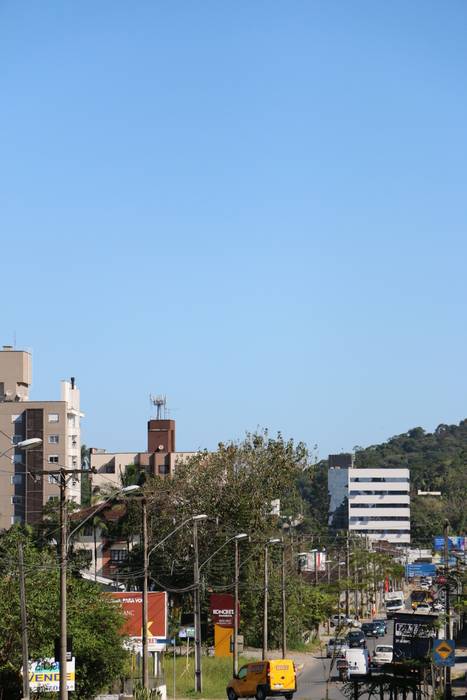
(160, 402)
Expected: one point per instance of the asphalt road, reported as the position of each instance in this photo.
(315, 676)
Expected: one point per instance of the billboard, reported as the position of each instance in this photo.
(132, 605)
(454, 542)
(307, 560)
(421, 569)
(222, 609)
(413, 635)
(44, 676)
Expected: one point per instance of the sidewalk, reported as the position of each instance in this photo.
(458, 673)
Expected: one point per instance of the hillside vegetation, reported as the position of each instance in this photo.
(437, 462)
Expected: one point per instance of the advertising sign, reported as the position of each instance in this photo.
(132, 605)
(45, 676)
(308, 560)
(413, 635)
(222, 609)
(454, 542)
(413, 570)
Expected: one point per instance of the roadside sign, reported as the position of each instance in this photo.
(421, 569)
(44, 675)
(444, 652)
(186, 632)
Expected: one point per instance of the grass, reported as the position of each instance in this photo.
(216, 674)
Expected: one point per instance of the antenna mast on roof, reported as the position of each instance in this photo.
(160, 402)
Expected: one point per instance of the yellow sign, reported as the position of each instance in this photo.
(222, 637)
(444, 650)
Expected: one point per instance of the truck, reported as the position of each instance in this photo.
(394, 602)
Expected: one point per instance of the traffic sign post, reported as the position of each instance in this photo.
(444, 652)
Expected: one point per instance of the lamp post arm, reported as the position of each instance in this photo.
(217, 550)
(91, 515)
(159, 544)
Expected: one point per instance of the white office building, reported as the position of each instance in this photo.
(372, 502)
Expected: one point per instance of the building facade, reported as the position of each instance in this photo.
(370, 502)
(108, 468)
(24, 491)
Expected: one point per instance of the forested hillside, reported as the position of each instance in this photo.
(437, 462)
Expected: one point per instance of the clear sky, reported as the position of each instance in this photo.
(257, 208)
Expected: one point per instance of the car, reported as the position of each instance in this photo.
(369, 629)
(340, 620)
(358, 663)
(424, 586)
(424, 609)
(263, 679)
(356, 639)
(382, 622)
(383, 654)
(336, 647)
(380, 627)
(438, 606)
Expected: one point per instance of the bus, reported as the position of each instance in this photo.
(417, 597)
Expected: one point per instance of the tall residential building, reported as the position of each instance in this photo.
(372, 502)
(23, 490)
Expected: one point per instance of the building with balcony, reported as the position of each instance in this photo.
(24, 491)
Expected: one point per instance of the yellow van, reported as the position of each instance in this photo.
(263, 679)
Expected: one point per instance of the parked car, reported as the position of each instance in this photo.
(336, 646)
(262, 679)
(383, 654)
(356, 639)
(340, 620)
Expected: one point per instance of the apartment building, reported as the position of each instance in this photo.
(369, 502)
(160, 459)
(24, 491)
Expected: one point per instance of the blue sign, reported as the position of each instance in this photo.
(453, 543)
(444, 652)
(412, 570)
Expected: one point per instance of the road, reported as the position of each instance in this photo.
(314, 677)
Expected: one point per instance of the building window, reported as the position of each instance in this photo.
(52, 479)
(53, 417)
(16, 439)
(118, 555)
(17, 459)
(52, 459)
(17, 479)
(53, 499)
(16, 519)
(17, 500)
(54, 439)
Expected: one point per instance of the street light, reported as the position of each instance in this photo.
(237, 539)
(273, 540)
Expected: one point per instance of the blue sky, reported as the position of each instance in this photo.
(256, 208)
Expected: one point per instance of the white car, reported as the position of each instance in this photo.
(340, 620)
(383, 654)
(423, 609)
(438, 607)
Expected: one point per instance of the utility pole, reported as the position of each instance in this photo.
(316, 566)
(447, 630)
(63, 600)
(284, 617)
(265, 611)
(235, 630)
(347, 573)
(144, 514)
(197, 612)
(24, 623)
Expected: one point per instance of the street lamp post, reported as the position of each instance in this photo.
(197, 604)
(237, 538)
(284, 618)
(266, 595)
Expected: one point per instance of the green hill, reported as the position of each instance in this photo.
(437, 462)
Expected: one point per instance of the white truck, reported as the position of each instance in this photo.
(394, 602)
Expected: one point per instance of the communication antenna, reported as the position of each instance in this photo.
(160, 402)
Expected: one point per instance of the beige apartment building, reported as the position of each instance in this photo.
(23, 489)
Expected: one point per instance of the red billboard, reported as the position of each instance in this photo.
(222, 609)
(132, 605)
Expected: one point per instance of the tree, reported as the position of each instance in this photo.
(93, 619)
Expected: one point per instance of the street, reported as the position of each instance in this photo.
(315, 675)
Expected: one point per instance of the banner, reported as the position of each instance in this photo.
(454, 542)
(132, 605)
(45, 676)
(307, 561)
